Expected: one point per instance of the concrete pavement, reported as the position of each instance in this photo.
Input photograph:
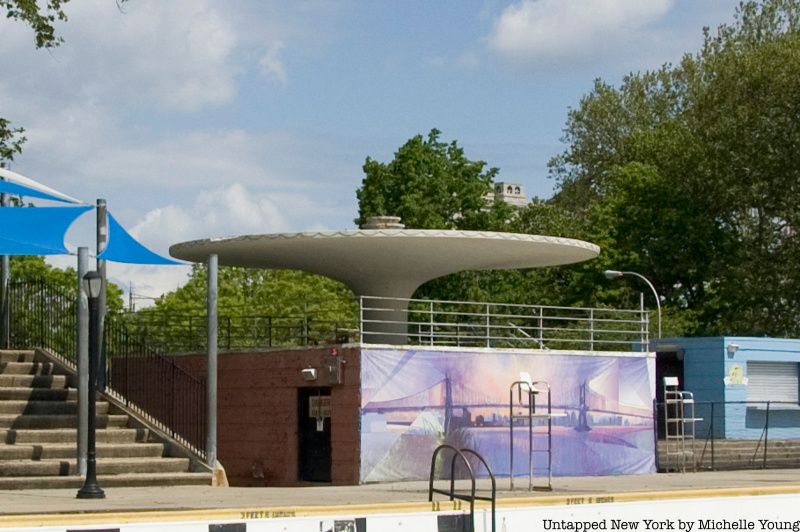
(380, 497)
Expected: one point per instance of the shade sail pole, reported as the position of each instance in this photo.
(102, 240)
(5, 306)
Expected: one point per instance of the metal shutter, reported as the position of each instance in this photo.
(772, 381)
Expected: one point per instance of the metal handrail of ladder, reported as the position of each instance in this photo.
(531, 389)
(681, 403)
(472, 497)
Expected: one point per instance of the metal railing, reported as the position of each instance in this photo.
(155, 386)
(761, 435)
(42, 316)
(182, 333)
(501, 325)
(137, 372)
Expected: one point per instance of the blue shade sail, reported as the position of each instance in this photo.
(14, 183)
(8, 187)
(36, 230)
(122, 247)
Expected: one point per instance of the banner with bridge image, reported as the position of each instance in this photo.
(413, 400)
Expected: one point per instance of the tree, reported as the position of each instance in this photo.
(30, 269)
(688, 174)
(41, 21)
(433, 185)
(430, 185)
(255, 305)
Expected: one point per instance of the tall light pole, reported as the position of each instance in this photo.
(93, 283)
(614, 274)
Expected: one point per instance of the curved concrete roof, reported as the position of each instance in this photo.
(389, 262)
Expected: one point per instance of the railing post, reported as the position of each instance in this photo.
(766, 438)
(488, 327)
(591, 329)
(541, 327)
(713, 436)
(430, 320)
(361, 317)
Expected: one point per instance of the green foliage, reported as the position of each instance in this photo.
(688, 174)
(254, 304)
(43, 305)
(29, 268)
(11, 140)
(430, 185)
(40, 20)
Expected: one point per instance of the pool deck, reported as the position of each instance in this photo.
(40, 507)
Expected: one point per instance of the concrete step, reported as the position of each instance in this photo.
(58, 421)
(26, 393)
(26, 368)
(107, 481)
(35, 408)
(105, 466)
(34, 381)
(40, 436)
(68, 451)
(16, 355)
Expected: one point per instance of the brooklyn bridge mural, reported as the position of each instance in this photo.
(414, 400)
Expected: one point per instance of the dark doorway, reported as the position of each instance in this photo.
(668, 364)
(314, 434)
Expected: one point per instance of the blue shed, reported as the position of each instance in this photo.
(740, 384)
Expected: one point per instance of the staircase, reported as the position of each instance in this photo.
(38, 434)
(741, 454)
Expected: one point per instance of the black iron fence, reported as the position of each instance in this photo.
(139, 374)
(41, 315)
(137, 370)
(732, 435)
(182, 333)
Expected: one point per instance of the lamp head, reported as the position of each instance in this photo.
(612, 274)
(93, 284)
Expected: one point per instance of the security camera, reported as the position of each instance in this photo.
(309, 374)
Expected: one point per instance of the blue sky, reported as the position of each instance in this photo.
(197, 118)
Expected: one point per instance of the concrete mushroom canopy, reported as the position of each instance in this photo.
(389, 263)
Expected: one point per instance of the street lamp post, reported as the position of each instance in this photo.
(614, 274)
(93, 282)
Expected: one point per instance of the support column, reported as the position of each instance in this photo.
(5, 307)
(211, 385)
(82, 350)
(102, 239)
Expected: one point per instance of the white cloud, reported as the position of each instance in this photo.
(271, 64)
(225, 210)
(222, 211)
(548, 30)
(177, 53)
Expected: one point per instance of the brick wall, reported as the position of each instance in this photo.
(257, 419)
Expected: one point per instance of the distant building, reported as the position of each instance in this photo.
(511, 193)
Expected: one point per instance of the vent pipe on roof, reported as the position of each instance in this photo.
(383, 222)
